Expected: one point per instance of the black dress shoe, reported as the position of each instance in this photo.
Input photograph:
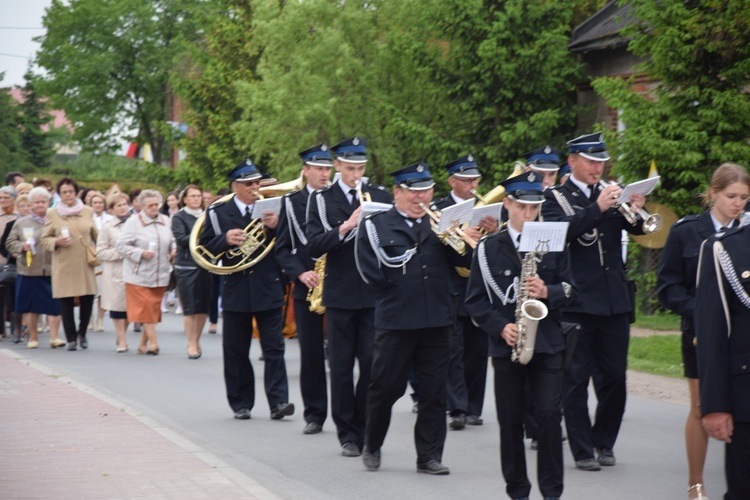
(312, 428)
(433, 467)
(282, 410)
(350, 449)
(605, 457)
(72, 346)
(474, 420)
(242, 414)
(588, 464)
(457, 422)
(83, 342)
(371, 459)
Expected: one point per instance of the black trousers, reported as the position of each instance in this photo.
(396, 351)
(737, 463)
(544, 373)
(312, 376)
(467, 371)
(67, 309)
(238, 370)
(350, 336)
(601, 353)
(213, 312)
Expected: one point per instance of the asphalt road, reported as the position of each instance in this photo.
(187, 396)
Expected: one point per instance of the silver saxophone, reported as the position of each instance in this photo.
(529, 312)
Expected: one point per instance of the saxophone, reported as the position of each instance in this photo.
(315, 295)
(529, 312)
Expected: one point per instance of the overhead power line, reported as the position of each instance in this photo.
(15, 55)
(18, 28)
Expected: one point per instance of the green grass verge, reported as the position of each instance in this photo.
(660, 321)
(657, 354)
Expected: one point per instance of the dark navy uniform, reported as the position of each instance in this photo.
(603, 308)
(257, 292)
(676, 276)
(467, 373)
(722, 319)
(294, 258)
(349, 306)
(415, 304)
(491, 300)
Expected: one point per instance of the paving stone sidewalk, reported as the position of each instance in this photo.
(60, 439)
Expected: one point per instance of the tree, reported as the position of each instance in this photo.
(35, 141)
(108, 65)
(205, 79)
(10, 139)
(699, 114)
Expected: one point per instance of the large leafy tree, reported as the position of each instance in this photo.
(108, 65)
(699, 114)
(206, 79)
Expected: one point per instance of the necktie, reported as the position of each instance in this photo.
(248, 213)
(518, 241)
(416, 227)
(353, 193)
(594, 195)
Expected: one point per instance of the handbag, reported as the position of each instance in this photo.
(91, 258)
(8, 275)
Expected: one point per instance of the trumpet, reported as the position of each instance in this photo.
(651, 222)
(454, 237)
(363, 197)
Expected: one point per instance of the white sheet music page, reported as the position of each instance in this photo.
(269, 204)
(543, 237)
(479, 213)
(643, 187)
(455, 215)
(371, 207)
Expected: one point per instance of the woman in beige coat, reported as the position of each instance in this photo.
(146, 244)
(69, 228)
(113, 287)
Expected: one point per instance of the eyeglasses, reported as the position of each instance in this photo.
(194, 196)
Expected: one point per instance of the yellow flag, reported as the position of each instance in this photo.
(653, 172)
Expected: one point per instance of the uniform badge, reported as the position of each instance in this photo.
(745, 274)
(420, 169)
(324, 148)
(531, 177)
(507, 272)
(355, 141)
(248, 162)
(547, 150)
(470, 158)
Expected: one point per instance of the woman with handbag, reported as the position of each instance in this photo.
(193, 282)
(70, 234)
(113, 291)
(34, 263)
(146, 245)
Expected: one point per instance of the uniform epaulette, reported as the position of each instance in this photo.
(323, 190)
(221, 201)
(687, 218)
(375, 186)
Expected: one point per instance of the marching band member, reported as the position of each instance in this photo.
(678, 269)
(332, 218)
(722, 315)
(492, 296)
(298, 266)
(255, 292)
(603, 305)
(467, 372)
(544, 161)
(402, 259)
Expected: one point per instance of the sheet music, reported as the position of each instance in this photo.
(479, 213)
(455, 215)
(371, 207)
(543, 236)
(269, 204)
(643, 187)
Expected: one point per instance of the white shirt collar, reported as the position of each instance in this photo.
(514, 235)
(456, 199)
(718, 225)
(241, 205)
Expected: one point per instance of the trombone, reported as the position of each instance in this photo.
(454, 236)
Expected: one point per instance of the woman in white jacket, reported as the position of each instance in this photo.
(147, 247)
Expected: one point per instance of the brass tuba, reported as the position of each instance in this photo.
(257, 243)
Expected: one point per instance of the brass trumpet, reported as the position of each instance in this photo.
(651, 222)
(454, 236)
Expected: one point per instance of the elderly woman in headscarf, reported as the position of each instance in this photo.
(34, 264)
(146, 244)
(68, 230)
